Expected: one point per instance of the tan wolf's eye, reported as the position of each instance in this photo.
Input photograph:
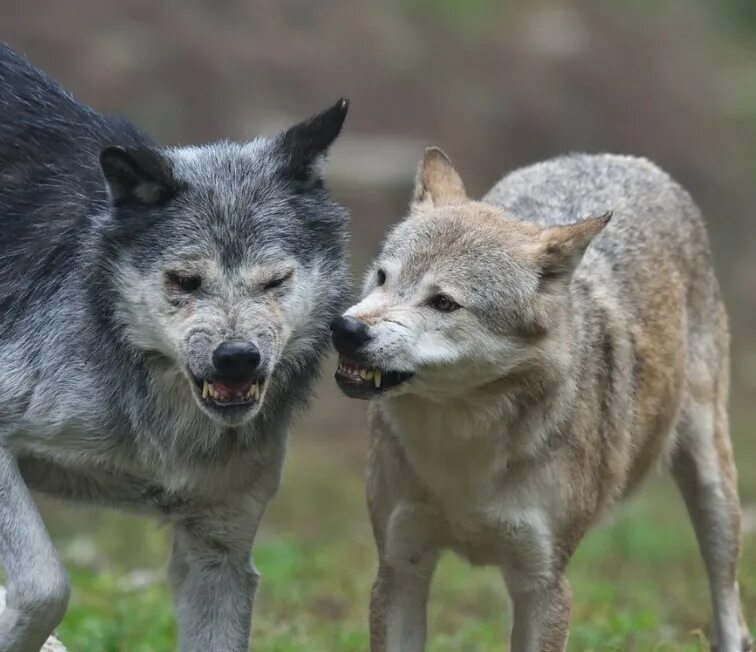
(184, 282)
(443, 303)
(381, 276)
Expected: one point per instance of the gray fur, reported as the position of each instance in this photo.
(98, 350)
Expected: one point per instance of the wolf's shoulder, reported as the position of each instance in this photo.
(655, 222)
(576, 165)
(574, 186)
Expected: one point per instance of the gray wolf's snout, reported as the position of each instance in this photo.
(236, 360)
(349, 334)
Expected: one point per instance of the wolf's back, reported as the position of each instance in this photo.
(50, 178)
(655, 223)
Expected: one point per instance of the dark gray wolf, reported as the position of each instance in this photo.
(162, 317)
(527, 367)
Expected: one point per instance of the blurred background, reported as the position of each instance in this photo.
(497, 85)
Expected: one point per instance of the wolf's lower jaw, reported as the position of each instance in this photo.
(357, 381)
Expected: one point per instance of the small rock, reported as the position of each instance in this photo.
(138, 579)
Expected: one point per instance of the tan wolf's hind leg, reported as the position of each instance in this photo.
(705, 473)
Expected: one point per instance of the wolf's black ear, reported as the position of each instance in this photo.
(306, 144)
(137, 175)
(561, 248)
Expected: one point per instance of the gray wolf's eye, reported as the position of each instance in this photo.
(278, 281)
(381, 275)
(443, 303)
(183, 282)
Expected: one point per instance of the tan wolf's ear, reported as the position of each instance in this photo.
(562, 247)
(437, 181)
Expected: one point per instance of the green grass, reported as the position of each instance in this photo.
(637, 580)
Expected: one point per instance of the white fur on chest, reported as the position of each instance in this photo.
(478, 508)
(456, 454)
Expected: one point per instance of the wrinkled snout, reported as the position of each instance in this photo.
(349, 335)
(233, 380)
(357, 376)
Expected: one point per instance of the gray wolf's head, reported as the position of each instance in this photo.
(226, 262)
(460, 296)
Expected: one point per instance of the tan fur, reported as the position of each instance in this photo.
(660, 347)
(582, 357)
(437, 181)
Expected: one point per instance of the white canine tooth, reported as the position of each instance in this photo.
(369, 374)
(363, 374)
(377, 378)
(205, 389)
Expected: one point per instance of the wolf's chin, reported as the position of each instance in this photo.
(231, 417)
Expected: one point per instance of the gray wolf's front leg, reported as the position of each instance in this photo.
(38, 586)
(214, 583)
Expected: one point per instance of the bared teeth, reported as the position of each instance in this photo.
(367, 375)
(209, 391)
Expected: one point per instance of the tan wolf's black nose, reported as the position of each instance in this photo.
(236, 360)
(349, 334)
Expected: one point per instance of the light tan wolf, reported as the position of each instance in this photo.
(529, 360)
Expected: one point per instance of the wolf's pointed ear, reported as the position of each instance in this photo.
(437, 181)
(306, 144)
(561, 248)
(137, 175)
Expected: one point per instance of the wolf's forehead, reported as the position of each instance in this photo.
(234, 203)
(222, 162)
(451, 250)
(215, 258)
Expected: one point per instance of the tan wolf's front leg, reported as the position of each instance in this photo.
(398, 607)
(408, 557)
(541, 617)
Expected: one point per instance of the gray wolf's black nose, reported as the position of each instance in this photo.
(236, 360)
(349, 334)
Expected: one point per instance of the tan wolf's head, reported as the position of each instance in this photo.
(460, 296)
